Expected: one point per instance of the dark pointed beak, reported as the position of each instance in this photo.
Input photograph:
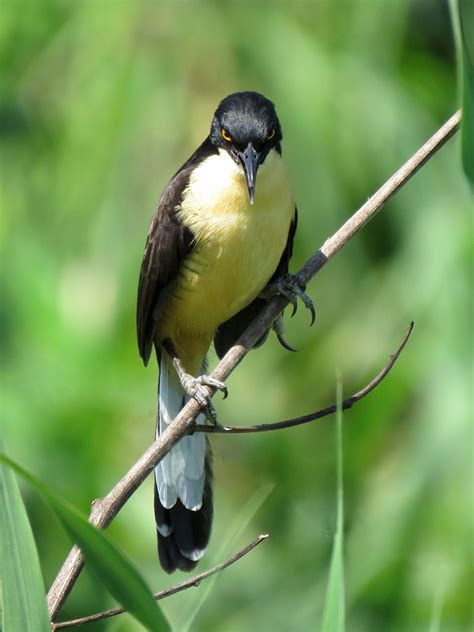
(250, 160)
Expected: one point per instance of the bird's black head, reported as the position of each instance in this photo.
(246, 125)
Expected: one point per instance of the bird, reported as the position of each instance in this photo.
(218, 247)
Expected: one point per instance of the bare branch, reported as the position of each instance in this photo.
(103, 511)
(167, 592)
(319, 414)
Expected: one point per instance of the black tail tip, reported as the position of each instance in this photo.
(183, 534)
(171, 557)
(187, 535)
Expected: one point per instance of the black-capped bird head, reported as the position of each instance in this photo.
(247, 127)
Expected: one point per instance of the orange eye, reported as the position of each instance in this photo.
(271, 134)
(225, 135)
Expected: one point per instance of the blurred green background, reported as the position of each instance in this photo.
(100, 103)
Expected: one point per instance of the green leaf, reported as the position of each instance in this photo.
(466, 16)
(462, 17)
(103, 559)
(23, 594)
(334, 606)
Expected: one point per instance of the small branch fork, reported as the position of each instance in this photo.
(319, 414)
(104, 510)
(167, 592)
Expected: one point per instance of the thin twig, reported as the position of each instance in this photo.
(288, 423)
(167, 592)
(324, 412)
(103, 511)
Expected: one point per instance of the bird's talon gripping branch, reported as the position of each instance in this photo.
(292, 288)
(195, 387)
(283, 290)
(217, 384)
(299, 288)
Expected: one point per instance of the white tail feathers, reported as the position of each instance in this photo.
(181, 474)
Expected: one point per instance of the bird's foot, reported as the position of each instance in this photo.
(292, 288)
(195, 387)
(279, 328)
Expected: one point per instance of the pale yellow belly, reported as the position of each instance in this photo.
(231, 263)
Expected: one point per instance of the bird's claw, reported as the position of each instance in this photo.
(195, 387)
(206, 380)
(278, 328)
(292, 288)
(283, 290)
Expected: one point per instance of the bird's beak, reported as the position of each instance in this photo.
(250, 160)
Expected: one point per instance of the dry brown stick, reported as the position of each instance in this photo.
(319, 414)
(103, 511)
(288, 423)
(167, 592)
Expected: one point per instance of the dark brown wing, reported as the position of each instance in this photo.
(168, 244)
(229, 332)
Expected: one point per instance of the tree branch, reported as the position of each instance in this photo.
(319, 414)
(167, 592)
(103, 511)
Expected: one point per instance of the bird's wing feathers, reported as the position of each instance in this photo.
(168, 244)
(229, 332)
(284, 264)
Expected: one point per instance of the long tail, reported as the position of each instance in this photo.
(183, 483)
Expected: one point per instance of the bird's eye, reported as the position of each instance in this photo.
(225, 135)
(271, 134)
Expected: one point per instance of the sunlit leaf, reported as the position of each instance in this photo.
(23, 594)
(103, 559)
(462, 13)
(466, 12)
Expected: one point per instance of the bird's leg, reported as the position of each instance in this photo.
(292, 288)
(195, 387)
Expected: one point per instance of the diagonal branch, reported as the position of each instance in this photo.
(104, 510)
(167, 592)
(319, 414)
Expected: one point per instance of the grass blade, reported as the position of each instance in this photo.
(103, 559)
(333, 619)
(466, 16)
(436, 612)
(462, 18)
(23, 593)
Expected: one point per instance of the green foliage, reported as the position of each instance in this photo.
(100, 103)
(22, 587)
(466, 15)
(109, 567)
